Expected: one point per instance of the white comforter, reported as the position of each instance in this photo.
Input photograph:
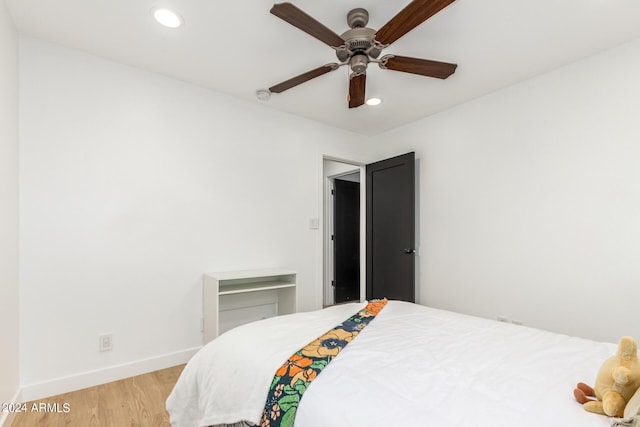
(413, 365)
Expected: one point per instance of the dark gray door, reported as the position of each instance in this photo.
(390, 238)
(346, 240)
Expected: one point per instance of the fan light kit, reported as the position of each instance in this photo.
(168, 18)
(372, 102)
(360, 46)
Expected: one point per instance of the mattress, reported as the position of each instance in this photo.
(413, 365)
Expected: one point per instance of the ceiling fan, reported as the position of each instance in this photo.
(360, 46)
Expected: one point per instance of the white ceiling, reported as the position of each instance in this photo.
(237, 47)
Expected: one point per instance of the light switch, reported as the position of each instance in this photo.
(314, 223)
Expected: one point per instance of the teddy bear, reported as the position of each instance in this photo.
(616, 382)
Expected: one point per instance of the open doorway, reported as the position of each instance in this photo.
(343, 226)
(387, 220)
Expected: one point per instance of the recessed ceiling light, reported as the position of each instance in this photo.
(374, 101)
(168, 18)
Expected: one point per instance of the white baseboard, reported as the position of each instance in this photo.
(6, 418)
(101, 376)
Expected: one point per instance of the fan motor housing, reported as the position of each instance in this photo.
(356, 40)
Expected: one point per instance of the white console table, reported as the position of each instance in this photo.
(233, 298)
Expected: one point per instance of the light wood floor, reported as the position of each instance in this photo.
(137, 401)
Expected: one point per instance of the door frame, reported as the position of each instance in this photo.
(324, 240)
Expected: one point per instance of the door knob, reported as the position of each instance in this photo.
(409, 251)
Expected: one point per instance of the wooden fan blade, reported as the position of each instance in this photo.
(423, 67)
(357, 85)
(304, 77)
(408, 18)
(298, 18)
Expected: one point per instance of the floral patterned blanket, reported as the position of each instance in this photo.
(293, 378)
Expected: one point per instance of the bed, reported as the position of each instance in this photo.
(411, 366)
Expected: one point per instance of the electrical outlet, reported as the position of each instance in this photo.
(105, 342)
(517, 322)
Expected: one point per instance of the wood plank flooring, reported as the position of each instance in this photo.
(137, 402)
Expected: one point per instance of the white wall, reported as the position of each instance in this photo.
(9, 354)
(530, 199)
(132, 186)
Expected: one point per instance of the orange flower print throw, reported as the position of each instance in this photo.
(295, 375)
